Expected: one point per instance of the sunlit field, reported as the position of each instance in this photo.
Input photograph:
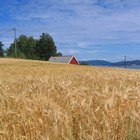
(48, 101)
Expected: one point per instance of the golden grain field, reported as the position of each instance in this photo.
(48, 101)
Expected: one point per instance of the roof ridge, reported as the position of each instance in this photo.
(62, 59)
(63, 56)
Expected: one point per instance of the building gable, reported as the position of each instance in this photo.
(73, 61)
(64, 59)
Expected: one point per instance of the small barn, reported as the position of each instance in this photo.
(64, 59)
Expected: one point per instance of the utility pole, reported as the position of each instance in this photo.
(125, 62)
(15, 43)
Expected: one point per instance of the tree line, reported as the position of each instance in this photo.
(30, 48)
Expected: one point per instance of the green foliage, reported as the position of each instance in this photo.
(30, 48)
(25, 47)
(83, 63)
(10, 51)
(1, 50)
(58, 54)
(45, 47)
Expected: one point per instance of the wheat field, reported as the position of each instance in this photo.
(48, 101)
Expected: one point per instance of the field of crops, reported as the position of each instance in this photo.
(48, 101)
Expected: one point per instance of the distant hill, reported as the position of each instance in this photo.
(107, 63)
(128, 63)
(98, 62)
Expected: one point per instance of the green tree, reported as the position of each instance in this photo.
(10, 51)
(30, 48)
(58, 54)
(45, 47)
(1, 50)
(31, 54)
(25, 48)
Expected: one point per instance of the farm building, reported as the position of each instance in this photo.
(64, 59)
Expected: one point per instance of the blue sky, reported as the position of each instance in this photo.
(89, 29)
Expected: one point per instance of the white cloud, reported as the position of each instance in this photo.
(77, 23)
(73, 51)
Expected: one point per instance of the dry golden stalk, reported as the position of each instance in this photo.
(48, 101)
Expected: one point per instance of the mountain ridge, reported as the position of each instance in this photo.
(108, 63)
